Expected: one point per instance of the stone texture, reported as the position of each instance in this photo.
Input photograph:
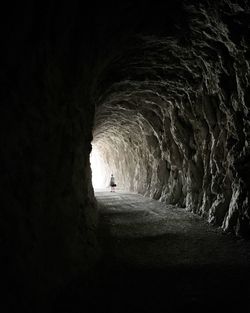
(170, 86)
(173, 117)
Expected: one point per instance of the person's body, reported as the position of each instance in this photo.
(112, 183)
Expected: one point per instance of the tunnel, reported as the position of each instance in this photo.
(156, 93)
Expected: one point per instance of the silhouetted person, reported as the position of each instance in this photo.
(112, 183)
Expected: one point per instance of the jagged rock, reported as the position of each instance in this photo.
(169, 87)
(176, 115)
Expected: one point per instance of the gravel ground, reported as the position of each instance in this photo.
(160, 258)
(147, 233)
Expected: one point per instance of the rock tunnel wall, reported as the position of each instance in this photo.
(171, 88)
(174, 123)
(48, 212)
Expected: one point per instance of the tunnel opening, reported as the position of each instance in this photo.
(99, 168)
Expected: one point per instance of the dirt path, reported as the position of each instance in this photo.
(147, 233)
(159, 258)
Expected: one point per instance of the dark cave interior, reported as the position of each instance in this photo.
(161, 90)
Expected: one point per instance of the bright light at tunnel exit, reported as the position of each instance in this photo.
(98, 169)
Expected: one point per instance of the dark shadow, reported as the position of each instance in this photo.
(118, 288)
(155, 274)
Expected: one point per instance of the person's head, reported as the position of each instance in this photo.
(111, 174)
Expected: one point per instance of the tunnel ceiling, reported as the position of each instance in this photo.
(172, 106)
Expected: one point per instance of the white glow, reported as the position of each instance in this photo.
(98, 169)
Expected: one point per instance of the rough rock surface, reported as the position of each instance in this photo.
(170, 86)
(173, 115)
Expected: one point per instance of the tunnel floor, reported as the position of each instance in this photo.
(160, 258)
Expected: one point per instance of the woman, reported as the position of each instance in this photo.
(112, 183)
